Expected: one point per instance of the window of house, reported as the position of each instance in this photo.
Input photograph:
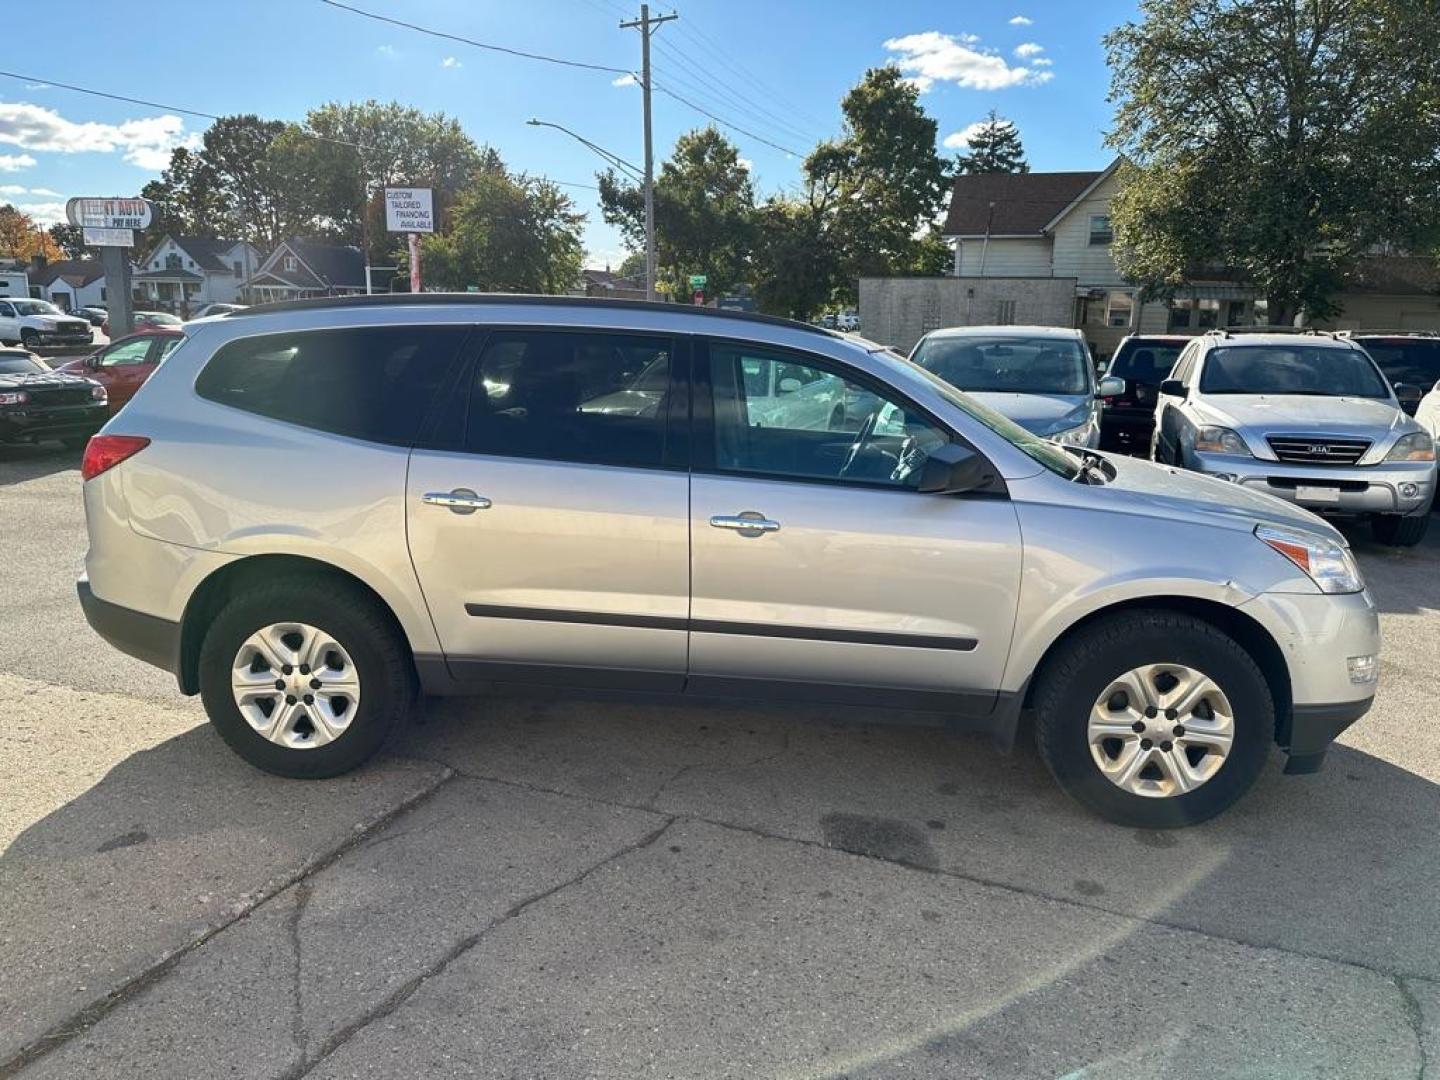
(1100, 231)
(291, 263)
(1207, 314)
(102, 296)
(1181, 313)
(172, 261)
(1120, 309)
(593, 398)
(780, 416)
(1005, 313)
(1236, 316)
(375, 383)
(238, 271)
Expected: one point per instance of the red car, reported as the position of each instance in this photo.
(147, 320)
(123, 366)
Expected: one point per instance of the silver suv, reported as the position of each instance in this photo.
(1307, 417)
(315, 511)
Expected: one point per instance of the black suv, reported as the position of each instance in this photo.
(1127, 420)
(37, 403)
(1410, 359)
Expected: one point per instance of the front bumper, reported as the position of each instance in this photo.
(1398, 487)
(1309, 730)
(64, 337)
(27, 424)
(145, 637)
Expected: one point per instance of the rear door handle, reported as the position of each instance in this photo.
(458, 501)
(747, 523)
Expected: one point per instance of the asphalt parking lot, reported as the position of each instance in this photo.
(562, 889)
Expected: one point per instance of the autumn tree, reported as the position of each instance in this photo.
(21, 237)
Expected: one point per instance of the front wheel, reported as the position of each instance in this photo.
(305, 678)
(30, 339)
(1397, 530)
(1153, 719)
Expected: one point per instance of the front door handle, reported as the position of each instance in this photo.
(459, 501)
(746, 523)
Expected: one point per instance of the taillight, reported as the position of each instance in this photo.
(104, 452)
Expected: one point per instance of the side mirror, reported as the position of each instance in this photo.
(953, 469)
(1110, 386)
(93, 361)
(788, 386)
(1173, 388)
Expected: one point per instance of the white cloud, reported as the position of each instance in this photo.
(45, 191)
(17, 189)
(1029, 49)
(45, 213)
(1021, 20)
(1041, 61)
(451, 62)
(385, 50)
(628, 79)
(960, 140)
(931, 57)
(745, 163)
(146, 142)
(15, 162)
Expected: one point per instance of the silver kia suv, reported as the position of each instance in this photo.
(314, 512)
(1307, 417)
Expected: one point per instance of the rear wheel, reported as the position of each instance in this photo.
(1153, 719)
(305, 678)
(1398, 530)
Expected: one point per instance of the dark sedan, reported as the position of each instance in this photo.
(37, 403)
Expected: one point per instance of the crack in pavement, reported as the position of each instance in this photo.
(1415, 1016)
(303, 891)
(974, 879)
(87, 1017)
(398, 997)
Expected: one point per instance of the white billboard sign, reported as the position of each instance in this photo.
(101, 237)
(109, 213)
(409, 210)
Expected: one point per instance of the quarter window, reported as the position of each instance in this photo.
(374, 383)
(598, 399)
(776, 416)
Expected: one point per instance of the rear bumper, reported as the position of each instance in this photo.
(145, 637)
(1393, 488)
(1126, 431)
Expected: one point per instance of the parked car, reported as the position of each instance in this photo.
(123, 366)
(847, 321)
(1127, 419)
(97, 315)
(450, 520)
(1305, 417)
(1041, 377)
(1410, 359)
(34, 323)
(148, 320)
(218, 309)
(37, 403)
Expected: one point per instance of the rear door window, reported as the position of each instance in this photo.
(1145, 362)
(373, 383)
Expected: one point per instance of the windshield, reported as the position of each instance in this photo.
(1313, 370)
(11, 364)
(1007, 364)
(1148, 363)
(1044, 451)
(37, 307)
(1415, 361)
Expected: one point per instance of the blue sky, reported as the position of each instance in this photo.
(776, 69)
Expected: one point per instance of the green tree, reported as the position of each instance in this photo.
(797, 267)
(507, 234)
(889, 182)
(995, 147)
(1274, 141)
(704, 212)
(260, 197)
(189, 199)
(70, 239)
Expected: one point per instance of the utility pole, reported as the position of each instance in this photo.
(647, 26)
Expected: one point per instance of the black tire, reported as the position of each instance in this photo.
(1397, 530)
(28, 338)
(1077, 673)
(358, 624)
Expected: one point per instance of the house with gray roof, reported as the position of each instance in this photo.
(297, 269)
(181, 273)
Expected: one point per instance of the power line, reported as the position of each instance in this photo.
(738, 100)
(471, 41)
(726, 123)
(690, 85)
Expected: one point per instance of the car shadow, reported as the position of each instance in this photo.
(20, 462)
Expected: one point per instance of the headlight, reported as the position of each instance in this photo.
(1079, 435)
(1419, 446)
(1220, 440)
(1328, 564)
(97, 393)
(14, 397)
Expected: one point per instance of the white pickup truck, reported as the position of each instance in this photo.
(33, 323)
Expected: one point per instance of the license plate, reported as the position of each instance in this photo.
(1304, 493)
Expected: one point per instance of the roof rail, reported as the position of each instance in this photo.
(1386, 331)
(1228, 331)
(441, 299)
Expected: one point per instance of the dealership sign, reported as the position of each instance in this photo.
(409, 209)
(94, 237)
(109, 213)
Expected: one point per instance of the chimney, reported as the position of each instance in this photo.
(37, 263)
